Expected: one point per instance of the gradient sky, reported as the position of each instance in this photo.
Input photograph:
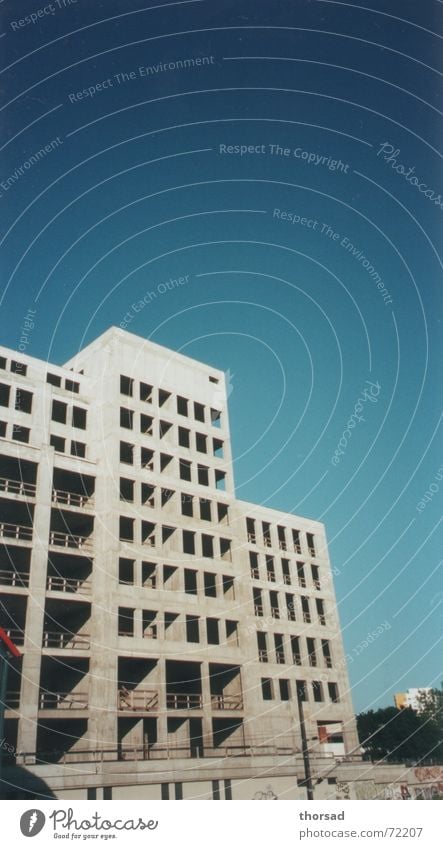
(135, 191)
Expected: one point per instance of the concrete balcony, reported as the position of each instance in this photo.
(12, 578)
(21, 533)
(56, 583)
(17, 635)
(62, 498)
(62, 701)
(71, 541)
(259, 755)
(184, 701)
(65, 640)
(12, 700)
(221, 702)
(138, 701)
(14, 487)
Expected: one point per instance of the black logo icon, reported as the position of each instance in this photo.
(32, 822)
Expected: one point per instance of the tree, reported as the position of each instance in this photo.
(400, 735)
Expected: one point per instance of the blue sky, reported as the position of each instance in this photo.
(136, 190)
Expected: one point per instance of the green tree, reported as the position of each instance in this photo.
(400, 735)
(431, 710)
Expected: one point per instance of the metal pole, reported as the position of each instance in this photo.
(305, 749)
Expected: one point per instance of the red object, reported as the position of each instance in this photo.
(8, 643)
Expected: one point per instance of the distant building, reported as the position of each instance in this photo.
(169, 632)
(411, 698)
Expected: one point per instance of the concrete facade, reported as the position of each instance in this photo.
(171, 634)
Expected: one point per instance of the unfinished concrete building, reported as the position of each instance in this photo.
(175, 641)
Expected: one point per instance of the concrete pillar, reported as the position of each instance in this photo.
(102, 729)
(27, 728)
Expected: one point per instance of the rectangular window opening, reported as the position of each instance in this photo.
(146, 424)
(72, 386)
(5, 392)
(207, 546)
(78, 449)
(58, 443)
(185, 470)
(267, 689)
(126, 489)
(125, 571)
(220, 480)
(212, 632)
(126, 418)
(187, 504)
(200, 443)
(188, 542)
(184, 437)
(58, 413)
(317, 691)
(126, 453)
(203, 475)
(205, 510)
(192, 629)
(20, 434)
(147, 459)
(126, 385)
(199, 412)
(146, 392)
(262, 646)
(148, 494)
(19, 368)
(215, 418)
(163, 397)
(190, 581)
(333, 692)
(126, 532)
(79, 417)
(23, 401)
(284, 689)
(182, 405)
(210, 584)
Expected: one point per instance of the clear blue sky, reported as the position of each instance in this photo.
(134, 190)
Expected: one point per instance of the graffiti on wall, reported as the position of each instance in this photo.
(342, 791)
(365, 790)
(265, 794)
(428, 773)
